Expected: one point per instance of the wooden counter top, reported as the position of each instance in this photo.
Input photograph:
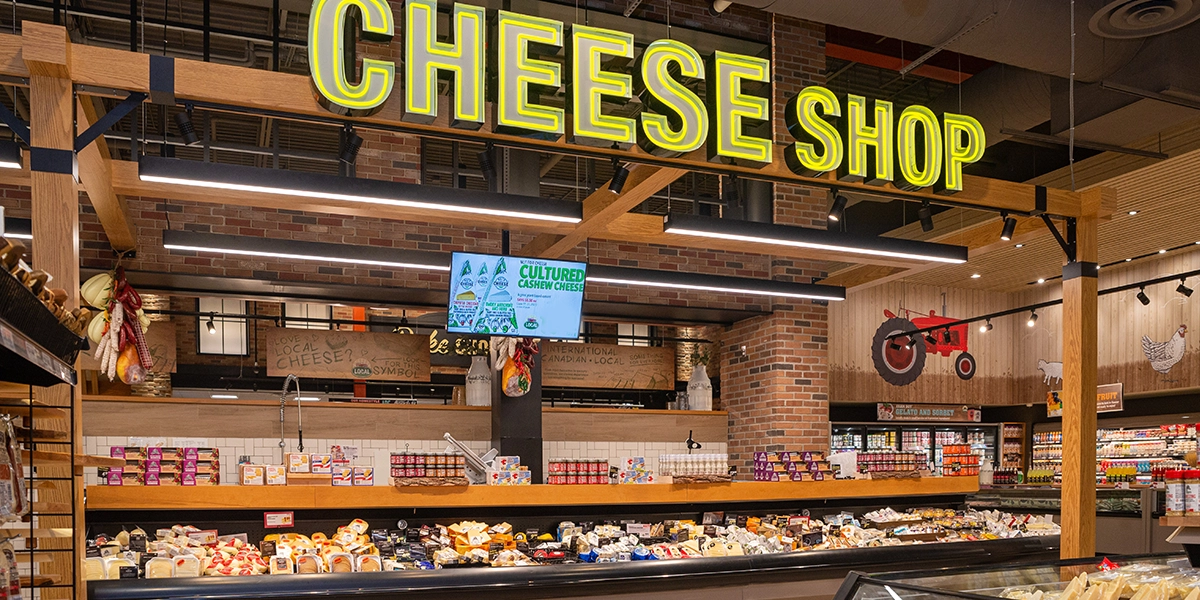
(304, 497)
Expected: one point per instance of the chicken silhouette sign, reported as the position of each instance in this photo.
(1165, 355)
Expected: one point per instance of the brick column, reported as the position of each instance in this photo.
(775, 369)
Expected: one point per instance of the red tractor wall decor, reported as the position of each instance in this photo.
(901, 360)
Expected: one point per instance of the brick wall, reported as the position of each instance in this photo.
(775, 372)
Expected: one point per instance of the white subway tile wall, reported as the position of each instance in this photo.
(377, 452)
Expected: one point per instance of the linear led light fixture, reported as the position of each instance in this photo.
(301, 250)
(713, 283)
(816, 239)
(353, 189)
(10, 155)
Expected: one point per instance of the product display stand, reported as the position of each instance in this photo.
(1187, 534)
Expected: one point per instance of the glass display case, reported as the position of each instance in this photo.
(1013, 581)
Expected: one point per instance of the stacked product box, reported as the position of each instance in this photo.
(163, 466)
(958, 460)
(791, 466)
(303, 466)
(634, 470)
(577, 471)
(507, 470)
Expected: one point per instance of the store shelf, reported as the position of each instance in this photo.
(42, 458)
(1179, 521)
(302, 497)
(35, 409)
(37, 532)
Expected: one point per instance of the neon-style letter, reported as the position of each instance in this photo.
(677, 121)
(868, 147)
(425, 59)
(729, 108)
(516, 109)
(328, 52)
(818, 148)
(919, 155)
(965, 141)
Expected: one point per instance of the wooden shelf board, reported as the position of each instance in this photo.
(304, 497)
(37, 532)
(37, 412)
(41, 457)
(39, 580)
(1179, 521)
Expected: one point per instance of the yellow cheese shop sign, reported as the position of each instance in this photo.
(861, 140)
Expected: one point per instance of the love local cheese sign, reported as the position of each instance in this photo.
(863, 141)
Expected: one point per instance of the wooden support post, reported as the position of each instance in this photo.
(1079, 385)
(47, 51)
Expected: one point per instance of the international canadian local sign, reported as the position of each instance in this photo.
(862, 140)
(1109, 398)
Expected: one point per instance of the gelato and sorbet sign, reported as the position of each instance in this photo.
(888, 411)
(515, 296)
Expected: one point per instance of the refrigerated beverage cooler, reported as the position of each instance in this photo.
(929, 439)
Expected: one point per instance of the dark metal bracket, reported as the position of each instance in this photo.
(131, 102)
(1068, 244)
(19, 127)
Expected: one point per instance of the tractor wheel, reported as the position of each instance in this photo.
(964, 366)
(895, 363)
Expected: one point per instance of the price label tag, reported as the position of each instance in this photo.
(1124, 485)
(279, 520)
(1160, 485)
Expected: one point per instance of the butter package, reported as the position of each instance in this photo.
(298, 463)
(321, 464)
(506, 463)
(276, 475)
(364, 475)
(253, 475)
(343, 476)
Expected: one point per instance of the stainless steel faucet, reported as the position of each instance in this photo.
(287, 383)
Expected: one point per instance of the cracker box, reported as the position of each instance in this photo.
(276, 475)
(507, 463)
(188, 479)
(151, 479)
(298, 463)
(364, 476)
(343, 475)
(321, 464)
(190, 454)
(253, 475)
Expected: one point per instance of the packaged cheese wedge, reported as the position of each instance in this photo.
(93, 568)
(112, 567)
(341, 562)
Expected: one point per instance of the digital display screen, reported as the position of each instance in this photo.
(515, 296)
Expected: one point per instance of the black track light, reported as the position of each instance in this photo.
(946, 336)
(895, 345)
(351, 144)
(620, 174)
(1032, 319)
(910, 341)
(1010, 225)
(986, 327)
(187, 130)
(212, 328)
(1184, 289)
(487, 164)
(930, 339)
(925, 214)
(839, 207)
(1142, 297)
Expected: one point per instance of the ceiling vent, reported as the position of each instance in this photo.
(1131, 19)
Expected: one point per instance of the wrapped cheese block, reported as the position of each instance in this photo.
(341, 562)
(93, 568)
(281, 565)
(159, 567)
(308, 564)
(187, 565)
(112, 567)
(369, 564)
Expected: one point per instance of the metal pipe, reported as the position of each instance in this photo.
(291, 379)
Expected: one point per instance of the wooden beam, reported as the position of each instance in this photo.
(291, 94)
(95, 173)
(602, 206)
(1079, 387)
(979, 240)
(55, 224)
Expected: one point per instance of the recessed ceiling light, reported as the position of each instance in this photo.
(1041, 280)
(1023, 245)
(1162, 251)
(975, 275)
(1129, 259)
(1132, 212)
